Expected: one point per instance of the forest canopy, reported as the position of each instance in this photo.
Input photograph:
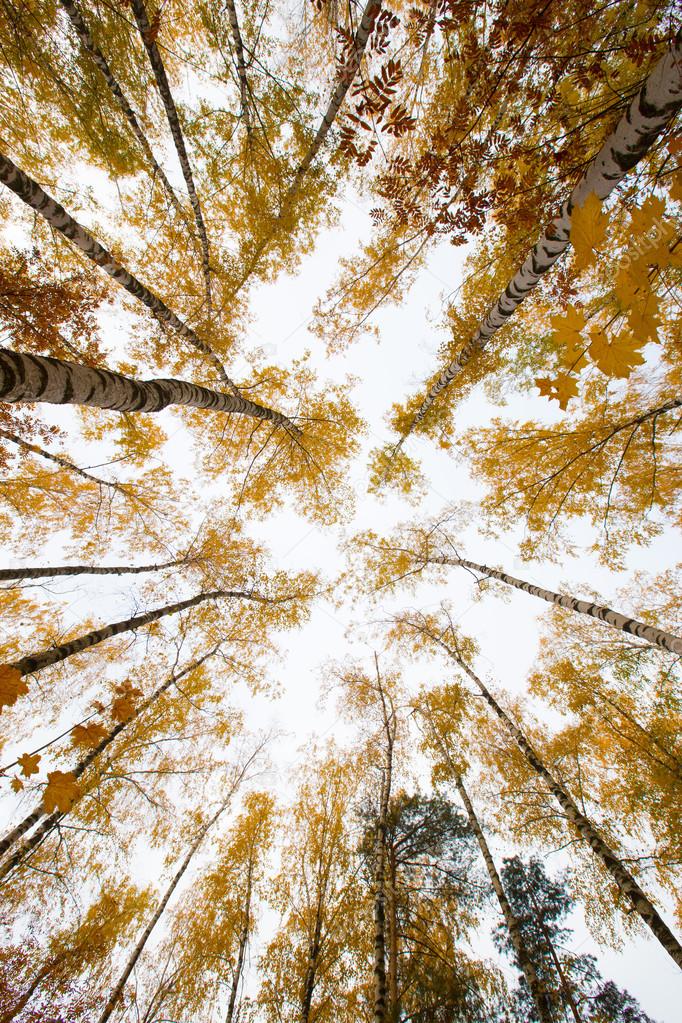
(340, 496)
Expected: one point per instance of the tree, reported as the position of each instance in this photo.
(541, 904)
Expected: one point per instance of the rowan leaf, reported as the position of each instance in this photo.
(61, 792)
(588, 230)
(28, 762)
(12, 685)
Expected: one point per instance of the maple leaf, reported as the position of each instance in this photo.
(588, 230)
(123, 707)
(28, 762)
(61, 792)
(17, 784)
(567, 336)
(565, 388)
(12, 685)
(615, 357)
(562, 389)
(645, 321)
(89, 735)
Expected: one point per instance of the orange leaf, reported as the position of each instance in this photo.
(89, 735)
(17, 784)
(61, 792)
(12, 685)
(28, 762)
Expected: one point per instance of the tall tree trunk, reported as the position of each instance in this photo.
(244, 90)
(243, 942)
(27, 378)
(564, 984)
(33, 663)
(16, 833)
(537, 991)
(381, 1007)
(343, 84)
(56, 216)
(148, 34)
(88, 43)
(393, 1005)
(621, 875)
(33, 572)
(117, 990)
(311, 969)
(657, 637)
(649, 114)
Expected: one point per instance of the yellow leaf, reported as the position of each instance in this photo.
(28, 762)
(89, 735)
(17, 784)
(626, 286)
(61, 792)
(644, 320)
(566, 387)
(646, 217)
(676, 186)
(12, 685)
(562, 389)
(123, 707)
(568, 339)
(616, 357)
(588, 230)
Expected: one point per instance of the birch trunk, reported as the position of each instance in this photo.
(148, 34)
(16, 833)
(393, 1006)
(33, 663)
(56, 216)
(652, 635)
(381, 1006)
(117, 991)
(88, 44)
(33, 572)
(243, 942)
(343, 84)
(241, 63)
(27, 378)
(649, 114)
(538, 994)
(621, 875)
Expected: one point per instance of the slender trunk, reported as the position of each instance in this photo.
(393, 1007)
(28, 378)
(381, 1008)
(241, 64)
(33, 195)
(343, 84)
(33, 572)
(243, 942)
(117, 990)
(649, 114)
(538, 994)
(16, 833)
(59, 460)
(622, 876)
(380, 987)
(88, 44)
(657, 637)
(566, 992)
(33, 663)
(311, 969)
(148, 34)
